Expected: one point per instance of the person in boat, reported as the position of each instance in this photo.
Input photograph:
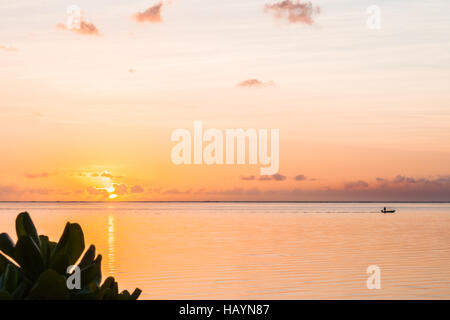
(384, 209)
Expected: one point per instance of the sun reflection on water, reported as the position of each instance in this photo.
(111, 243)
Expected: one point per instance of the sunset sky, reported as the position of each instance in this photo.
(87, 114)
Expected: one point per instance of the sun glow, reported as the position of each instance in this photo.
(113, 196)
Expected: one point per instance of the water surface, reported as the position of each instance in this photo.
(260, 250)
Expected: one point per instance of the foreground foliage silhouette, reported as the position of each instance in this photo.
(40, 267)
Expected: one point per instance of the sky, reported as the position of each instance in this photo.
(87, 114)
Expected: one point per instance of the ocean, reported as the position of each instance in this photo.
(182, 250)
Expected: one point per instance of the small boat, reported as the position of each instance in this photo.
(387, 211)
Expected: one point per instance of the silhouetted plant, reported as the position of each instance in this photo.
(39, 266)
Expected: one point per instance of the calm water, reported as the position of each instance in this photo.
(259, 251)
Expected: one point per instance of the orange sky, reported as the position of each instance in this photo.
(363, 114)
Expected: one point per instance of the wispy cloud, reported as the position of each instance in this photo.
(278, 177)
(255, 83)
(441, 180)
(294, 11)
(352, 185)
(85, 28)
(36, 175)
(275, 177)
(107, 174)
(399, 188)
(152, 14)
(248, 178)
(300, 177)
(8, 48)
(103, 174)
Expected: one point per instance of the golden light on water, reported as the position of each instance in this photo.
(111, 251)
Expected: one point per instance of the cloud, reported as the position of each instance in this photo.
(85, 28)
(106, 174)
(120, 188)
(294, 11)
(36, 175)
(8, 48)
(97, 191)
(152, 14)
(399, 188)
(411, 181)
(275, 177)
(278, 177)
(441, 180)
(300, 177)
(136, 189)
(360, 184)
(255, 83)
(403, 179)
(18, 193)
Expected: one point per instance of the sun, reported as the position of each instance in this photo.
(113, 196)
